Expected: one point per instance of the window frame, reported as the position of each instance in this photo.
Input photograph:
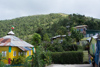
(30, 52)
(14, 53)
(25, 53)
(19, 53)
(4, 53)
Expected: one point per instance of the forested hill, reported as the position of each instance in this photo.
(28, 25)
(52, 24)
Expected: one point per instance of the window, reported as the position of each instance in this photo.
(29, 52)
(22, 53)
(81, 29)
(19, 53)
(87, 35)
(3, 53)
(77, 29)
(25, 53)
(91, 35)
(14, 53)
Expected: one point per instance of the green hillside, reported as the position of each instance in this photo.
(28, 25)
(52, 24)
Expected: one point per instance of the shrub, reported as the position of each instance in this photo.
(27, 63)
(1, 61)
(41, 58)
(2, 64)
(18, 61)
(71, 47)
(80, 48)
(70, 57)
(46, 56)
(55, 47)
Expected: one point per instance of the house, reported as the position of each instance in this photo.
(61, 37)
(12, 47)
(90, 33)
(82, 28)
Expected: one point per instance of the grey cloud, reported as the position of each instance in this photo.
(17, 8)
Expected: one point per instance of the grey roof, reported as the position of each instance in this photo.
(11, 40)
(58, 36)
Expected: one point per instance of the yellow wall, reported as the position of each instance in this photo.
(7, 54)
(10, 54)
(28, 53)
(12, 50)
(17, 51)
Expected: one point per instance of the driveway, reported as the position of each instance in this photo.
(70, 65)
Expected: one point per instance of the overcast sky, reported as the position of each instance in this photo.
(10, 9)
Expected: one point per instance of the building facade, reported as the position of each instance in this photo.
(81, 28)
(12, 47)
(90, 33)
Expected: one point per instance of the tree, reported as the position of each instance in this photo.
(55, 47)
(36, 39)
(46, 37)
(61, 30)
(67, 42)
(76, 35)
(68, 38)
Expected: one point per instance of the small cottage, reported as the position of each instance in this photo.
(82, 29)
(12, 47)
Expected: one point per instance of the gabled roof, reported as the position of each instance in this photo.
(11, 40)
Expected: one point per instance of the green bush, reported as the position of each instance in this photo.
(18, 61)
(55, 47)
(41, 58)
(80, 48)
(27, 63)
(46, 56)
(70, 57)
(1, 61)
(71, 47)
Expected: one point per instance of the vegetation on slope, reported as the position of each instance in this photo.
(51, 24)
(28, 25)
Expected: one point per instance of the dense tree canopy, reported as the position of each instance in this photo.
(51, 24)
(36, 39)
